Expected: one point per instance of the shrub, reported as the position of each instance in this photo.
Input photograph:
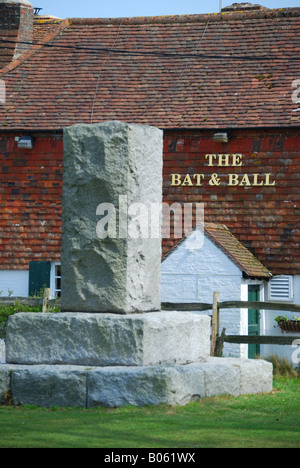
(7, 310)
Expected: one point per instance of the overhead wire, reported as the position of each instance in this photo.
(96, 50)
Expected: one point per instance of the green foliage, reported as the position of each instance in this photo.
(40, 293)
(284, 318)
(7, 310)
(9, 292)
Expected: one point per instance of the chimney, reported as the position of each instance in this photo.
(16, 25)
(243, 7)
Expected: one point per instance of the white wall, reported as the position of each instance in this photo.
(17, 282)
(192, 275)
(271, 327)
(14, 280)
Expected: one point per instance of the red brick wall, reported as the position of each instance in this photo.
(30, 193)
(265, 218)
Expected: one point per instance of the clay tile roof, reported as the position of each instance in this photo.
(228, 70)
(221, 236)
(234, 249)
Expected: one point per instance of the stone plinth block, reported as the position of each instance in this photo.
(48, 386)
(140, 386)
(256, 375)
(108, 339)
(84, 386)
(111, 241)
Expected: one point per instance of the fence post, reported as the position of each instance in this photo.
(215, 322)
(46, 297)
(220, 344)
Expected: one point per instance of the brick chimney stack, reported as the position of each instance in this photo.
(16, 25)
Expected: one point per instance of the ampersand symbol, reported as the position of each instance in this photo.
(215, 180)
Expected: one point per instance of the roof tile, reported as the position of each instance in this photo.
(192, 71)
(236, 251)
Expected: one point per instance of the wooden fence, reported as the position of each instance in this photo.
(217, 339)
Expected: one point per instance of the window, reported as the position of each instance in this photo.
(55, 280)
(281, 288)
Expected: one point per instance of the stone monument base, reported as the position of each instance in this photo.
(89, 360)
(88, 387)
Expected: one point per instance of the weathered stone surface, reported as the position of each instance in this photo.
(4, 382)
(121, 386)
(64, 385)
(221, 378)
(2, 351)
(108, 339)
(102, 163)
(256, 375)
(48, 386)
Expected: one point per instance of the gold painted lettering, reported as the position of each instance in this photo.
(233, 180)
(187, 181)
(237, 159)
(210, 158)
(198, 178)
(255, 181)
(268, 183)
(245, 181)
(224, 160)
(176, 179)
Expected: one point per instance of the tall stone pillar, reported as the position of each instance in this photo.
(111, 255)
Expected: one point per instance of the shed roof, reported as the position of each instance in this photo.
(236, 251)
(221, 236)
(227, 70)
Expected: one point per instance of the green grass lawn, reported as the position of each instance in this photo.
(271, 420)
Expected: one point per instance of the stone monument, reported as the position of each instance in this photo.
(112, 345)
(119, 167)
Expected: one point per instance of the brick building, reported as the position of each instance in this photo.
(223, 87)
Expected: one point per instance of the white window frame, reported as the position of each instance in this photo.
(53, 278)
(290, 284)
